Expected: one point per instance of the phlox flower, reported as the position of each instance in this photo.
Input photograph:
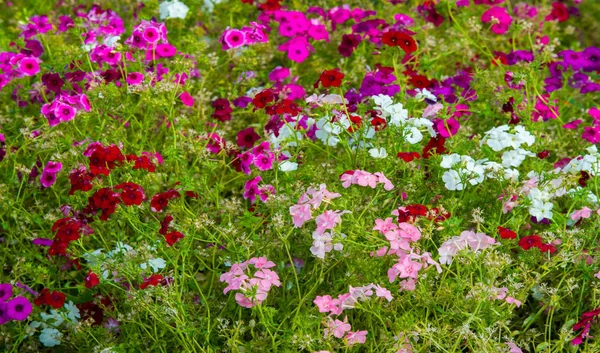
(172, 9)
(499, 17)
(384, 226)
(585, 212)
(328, 220)
(187, 99)
(337, 328)
(356, 337)
(326, 303)
(382, 292)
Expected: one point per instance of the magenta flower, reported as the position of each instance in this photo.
(165, 50)
(264, 161)
(499, 17)
(447, 128)
(151, 35)
(187, 99)
(6, 291)
(64, 112)
(232, 38)
(4, 318)
(134, 78)
(53, 167)
(47, 179)
(18, 308)
(247, 137)
(29, 66)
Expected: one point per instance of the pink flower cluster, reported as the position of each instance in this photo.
(467, 239)
(248, 35)
(260, 156)
(294, 24)
(253, 290)
(100, 23)
(301, 212)
(362, 178)
(16, 66)
(49, 173)
(152, 37)
(339, 329)
(327, 304)
(499, 17)
(592, 133)
(409, 262)
(252, 190)
(65, 107)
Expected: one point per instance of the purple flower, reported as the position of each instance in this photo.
(53, 167)
(5, 291)
(4, 313)
(134, 78)
(47, 179)
(18, 308)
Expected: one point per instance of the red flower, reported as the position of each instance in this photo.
(378, 123)
(132, 193)
(399, 39)
(530, 241)
(222, 109)
(408, 156)
(142, 162)
(435, 145)
(356, 123)
(548, 248)
(585, 323)
(263, 98)
(419, 81)
(543, 154)
(90, 310)
(287, 107)
(80, 179)
(330, 78)
(506, 233)
(164, 225)
(173, 237)
(559, 12)
(161, 200)
(104, 159)
(247, 137)
(91, 280)
(55, 299)
(151, 281)
(417, 210)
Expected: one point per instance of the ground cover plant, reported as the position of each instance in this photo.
(299, 176)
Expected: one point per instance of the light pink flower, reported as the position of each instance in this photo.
(384, 226)
(337, 328)
(382, 292)
(356, 337)
(513, 348)
(300, 214)
(583, 213)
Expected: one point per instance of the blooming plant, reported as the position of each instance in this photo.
(299, 176)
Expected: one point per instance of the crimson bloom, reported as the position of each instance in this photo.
(91, 280)
(506, 233)
(161, 200)
(263, 98)
(530, 241)
(247, 137)
(173, 237)
(132, 193)
(55, 299)
(330, 78)
(400, 39)
(408, 156)
(153, 280)
(222, 109)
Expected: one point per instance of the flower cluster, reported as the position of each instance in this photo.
(253, 287)
(363, 178)
(248, 35)
(466, 240)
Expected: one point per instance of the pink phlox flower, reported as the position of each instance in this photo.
(396, 240)
(356, 337)
(300, 214)
(382, 292)
(387, 184)
(363, 178)
(426, 257)
(261, 262)
(477, 241)
(337, 328)
(321, 244)
(384, 226)
(326, 303)
(512, 300)
(513, 348)
(267, 278)
(409, 268)
(583, 213)
(499, 17)
(243, 301)
(432, 110)
(408, 284)
(328, 220)
(409, 232)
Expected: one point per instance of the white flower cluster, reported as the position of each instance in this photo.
(463, 169)
(50, 335)
(589, 163)
(396, 115)
(172, 9)
(500, 138)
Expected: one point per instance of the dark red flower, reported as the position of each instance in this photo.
(263, 98)
(408, 156)
(53, 82)
(173, 237)
(378, 123)
(356, 123)
(330, 78)
(164, 224)
(132, 194)
(543, 154)
(506, 233)
(247, 137)
(419, 81)
(91, 280)
(548, 248)
(141, 162)
(585, 323)
(222, 109)
(559, 12)
(530, 241)
(80, 179)
(161, 200)
(90, 310)
(399, 39)
(435, 145)
(287, 107)
(153, 280)
(349, 43)
(417, 210)
(55, 299)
